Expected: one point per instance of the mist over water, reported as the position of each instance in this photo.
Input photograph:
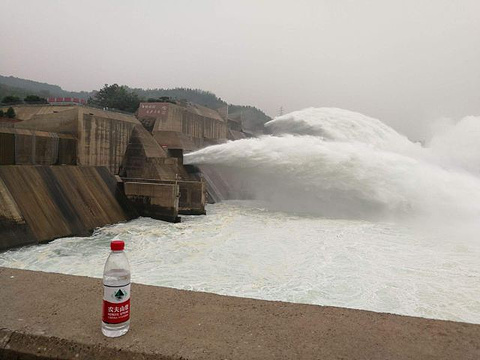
(337, 163)
(371, 221)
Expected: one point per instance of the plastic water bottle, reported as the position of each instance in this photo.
(116, 292)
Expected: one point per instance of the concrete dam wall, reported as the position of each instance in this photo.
(101, 137)
(30, 147)
(42, 203)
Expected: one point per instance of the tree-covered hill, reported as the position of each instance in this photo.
(10, 85)
(6, 90)
(253, 118)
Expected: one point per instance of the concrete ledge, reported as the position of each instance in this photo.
(158, 201)
(46, 315)
(16, 345)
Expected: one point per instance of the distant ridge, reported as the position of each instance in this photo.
(253, 118)
(10, 85)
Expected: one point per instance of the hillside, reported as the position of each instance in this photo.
(10, 85)
(253, 118)
(6, 90)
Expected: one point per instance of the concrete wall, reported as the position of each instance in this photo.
(234, 124)
(58, 119)
(7, 122)
(191, 194)
(52, 316)
(186, 126)
(192, 197)
(31, 147)
(103, 136)
(42, 203)
(177, 140)
(235, 135)
(35, 147)
(145, 159)
(171, 122)
(14, 230)
(145, 165)
(155, 200)
(7, 147)
(67, 150)
(103, 141)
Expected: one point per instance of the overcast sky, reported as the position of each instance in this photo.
(406, 62)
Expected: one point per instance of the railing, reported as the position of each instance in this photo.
(159, 181)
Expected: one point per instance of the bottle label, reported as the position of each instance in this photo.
(116, 304)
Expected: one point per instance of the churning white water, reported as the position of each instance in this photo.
(243, 249)
(348, 213)
(337, 163)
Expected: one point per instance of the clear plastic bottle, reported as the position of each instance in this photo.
(116, 292)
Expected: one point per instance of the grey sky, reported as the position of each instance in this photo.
(406, 62)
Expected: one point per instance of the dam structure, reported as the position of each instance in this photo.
(56, 160)
(294, 286)
(181, 127)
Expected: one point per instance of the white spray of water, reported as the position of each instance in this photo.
(457, 145)
(347, 165)
(339, 163)
(332, 124)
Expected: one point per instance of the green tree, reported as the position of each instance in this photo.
(116, 97)
(10, 113)
(1, 113)
(34, 99)
(11, 99)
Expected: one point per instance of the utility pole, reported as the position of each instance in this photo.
(280, 112)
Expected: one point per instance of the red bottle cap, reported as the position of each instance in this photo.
(117, 245)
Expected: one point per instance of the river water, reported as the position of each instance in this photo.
(243, 249)
(347, 212)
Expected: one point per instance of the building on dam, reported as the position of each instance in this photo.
(182, 125)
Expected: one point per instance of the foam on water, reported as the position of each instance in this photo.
(243, 249)
(353, 193)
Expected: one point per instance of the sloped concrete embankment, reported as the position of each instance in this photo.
(42, 203)
(53, 316)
